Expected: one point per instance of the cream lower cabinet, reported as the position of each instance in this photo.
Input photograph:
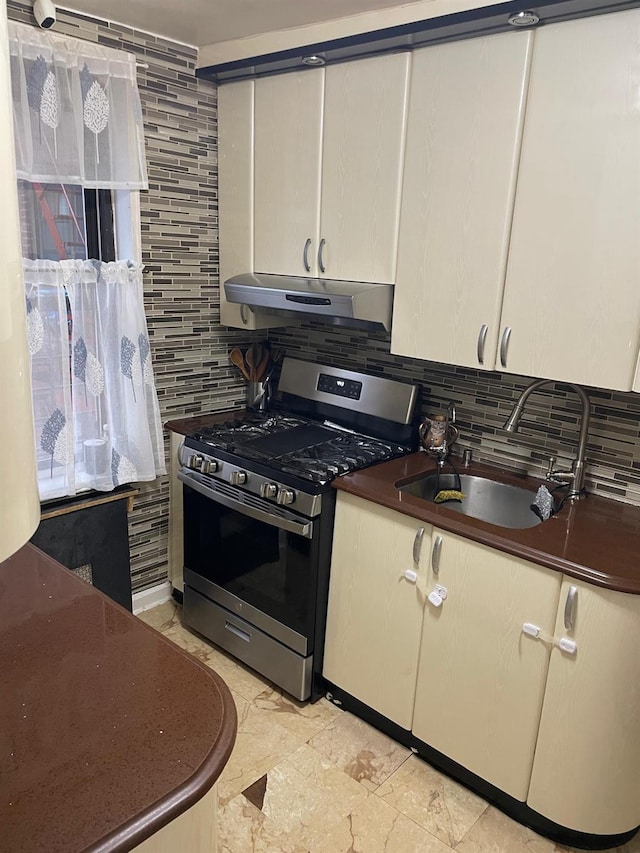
(585, 773)
(195, 830)
(481, 680)
(375, 613)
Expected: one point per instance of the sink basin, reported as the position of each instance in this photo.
(489, 500)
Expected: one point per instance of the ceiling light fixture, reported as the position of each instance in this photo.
(523, 19)
(313, 60)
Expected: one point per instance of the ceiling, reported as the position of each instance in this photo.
(203, 22)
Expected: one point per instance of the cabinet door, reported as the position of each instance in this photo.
(466, 112)
(363, 149)
(480, 679)
(288, 138)
(235, 191)
(572, 298)
(375, 614)
(585, 774)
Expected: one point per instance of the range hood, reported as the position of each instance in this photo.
(349, 303)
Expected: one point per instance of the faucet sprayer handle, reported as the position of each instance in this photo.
(550, 466)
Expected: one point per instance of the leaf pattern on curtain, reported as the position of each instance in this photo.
(94, 381)
(49, 106)
(56, 439)
(122, 469)
(128, 365)
(35, 328)
(96, 112)
(88, 369)
(145, 360)
(35, 78)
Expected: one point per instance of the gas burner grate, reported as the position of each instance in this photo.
(233, 435)
(340, 455)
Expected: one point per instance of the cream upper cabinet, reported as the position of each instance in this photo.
(329, 148)
(235, 192)
(572, 299)
(288, 165)
(480, 680)
(362, 158)
(466, 112)
(375, 612)
(585, 774)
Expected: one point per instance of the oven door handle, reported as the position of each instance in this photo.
(304, 529)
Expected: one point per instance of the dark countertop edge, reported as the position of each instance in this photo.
(188, 424)
(482, 532)
(178, 801)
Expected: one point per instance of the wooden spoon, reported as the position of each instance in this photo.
(253, 359)
(263, 364)
(236, 357)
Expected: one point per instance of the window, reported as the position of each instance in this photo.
(60, 222)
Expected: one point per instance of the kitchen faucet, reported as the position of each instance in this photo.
(575, 477)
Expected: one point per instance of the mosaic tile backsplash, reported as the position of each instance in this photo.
(484, 400)
(190, 348)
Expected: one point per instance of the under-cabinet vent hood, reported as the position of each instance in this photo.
(349, 303)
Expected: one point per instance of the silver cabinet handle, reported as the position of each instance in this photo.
(504, 345)
(321, 255)
(417, 544)
(482, 339)
(570, 608)
(305, 255)
(435, 555)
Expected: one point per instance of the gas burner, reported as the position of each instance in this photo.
(233, 435)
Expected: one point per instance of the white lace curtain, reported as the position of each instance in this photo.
(96, 410)
(76, 110)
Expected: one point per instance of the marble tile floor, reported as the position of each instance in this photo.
(313, 779)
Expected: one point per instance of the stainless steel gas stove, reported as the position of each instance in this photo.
(259, 507)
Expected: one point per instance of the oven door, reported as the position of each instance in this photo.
(257, 560)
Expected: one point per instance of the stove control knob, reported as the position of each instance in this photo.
(209, 466)
(286, 497)
(195, 462)
(238, 478)
(268, 490)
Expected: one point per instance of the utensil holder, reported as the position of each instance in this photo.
(258, 395)
(96, 456)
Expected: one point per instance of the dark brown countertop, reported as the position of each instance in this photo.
(595, 539)
(108, 731)
(189, 425)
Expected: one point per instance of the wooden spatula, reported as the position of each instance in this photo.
(236, 357)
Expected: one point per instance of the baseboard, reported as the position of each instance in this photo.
(152, 597)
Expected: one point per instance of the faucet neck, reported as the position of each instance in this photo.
(577, 476)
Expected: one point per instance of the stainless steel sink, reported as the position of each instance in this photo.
(489, 500)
